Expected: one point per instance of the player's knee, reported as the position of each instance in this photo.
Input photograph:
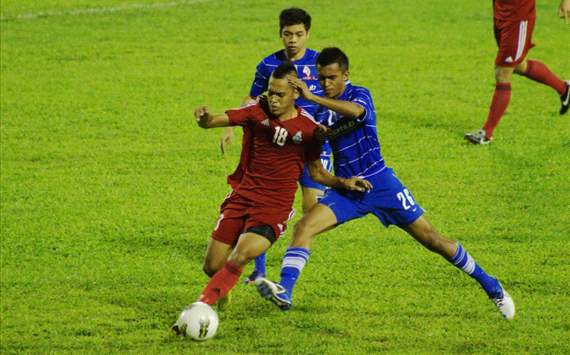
(240, 257)
(209, 268)
(307, 205)
(303, 231)
(520, 69)
(503, 74)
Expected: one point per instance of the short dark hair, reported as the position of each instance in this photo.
(333, 55)
(284, 69)
(294, 16)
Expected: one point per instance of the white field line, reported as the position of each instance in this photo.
(100, 10)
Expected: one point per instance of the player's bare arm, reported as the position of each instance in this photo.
(207, 120)
(564, 10)
(322, 176)
(345, 108)
(228, 136)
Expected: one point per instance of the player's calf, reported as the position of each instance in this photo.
(423, 232)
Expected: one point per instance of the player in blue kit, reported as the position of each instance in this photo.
(294, 26)
(349, 113)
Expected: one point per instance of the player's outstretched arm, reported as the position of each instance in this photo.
(346, 108)
(564, 10)
(320, 175)
(207, 120)
(228, 136)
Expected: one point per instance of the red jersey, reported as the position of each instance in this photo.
(235, 178)
(514, 10)
(273, 154)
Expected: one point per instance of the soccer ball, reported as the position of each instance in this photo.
(200, 320)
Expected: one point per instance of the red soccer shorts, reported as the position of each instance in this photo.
(514, 39)
(239, 214)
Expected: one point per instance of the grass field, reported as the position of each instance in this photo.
(109, 190)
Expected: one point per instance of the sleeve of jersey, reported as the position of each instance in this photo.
(240, 116)
(364, 99)
(259, 85)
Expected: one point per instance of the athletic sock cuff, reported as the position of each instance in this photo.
(233, 268)
(503, 86)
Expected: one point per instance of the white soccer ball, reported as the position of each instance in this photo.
(201, 321)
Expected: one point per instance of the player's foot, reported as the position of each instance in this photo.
(565, 99)
(256, 274)
(477, 137)
(504, 302)
(224, 302)
(274, 292)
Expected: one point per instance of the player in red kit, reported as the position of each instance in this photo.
(513, 23)
(283, 138)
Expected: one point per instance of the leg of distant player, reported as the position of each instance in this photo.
(248, 247)
(319, 219)
(531, 69)
(514, 40)
(539, 72)
(452, 251)
(501, 98)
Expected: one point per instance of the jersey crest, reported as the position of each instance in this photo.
(298, 138)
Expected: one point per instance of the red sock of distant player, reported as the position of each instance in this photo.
(539, 72)
(501, 99)
(221, 283)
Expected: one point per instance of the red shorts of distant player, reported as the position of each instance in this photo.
(238, 214)
(514, 39)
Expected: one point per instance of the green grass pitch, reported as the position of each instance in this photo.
(109, 190)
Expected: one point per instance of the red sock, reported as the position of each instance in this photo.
(501, 99)
(221, 283)
(539, 72)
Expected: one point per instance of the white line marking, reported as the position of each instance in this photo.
(100, 10)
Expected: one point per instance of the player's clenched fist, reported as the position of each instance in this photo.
(202, 115)
(357, 184)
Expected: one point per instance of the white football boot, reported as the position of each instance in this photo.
(505, 304)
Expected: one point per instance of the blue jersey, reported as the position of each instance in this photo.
(356, 152)
(354, 141)
(306, 70)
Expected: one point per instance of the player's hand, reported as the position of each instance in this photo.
(202, 116)
(226, 139)
(322, 132)
(300, 86)
(564, 10)
(356, 184)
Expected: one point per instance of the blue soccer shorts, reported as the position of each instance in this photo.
(389, 200)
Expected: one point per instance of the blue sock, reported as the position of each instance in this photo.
(293, 262)
(260, 264)
(465, 262)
